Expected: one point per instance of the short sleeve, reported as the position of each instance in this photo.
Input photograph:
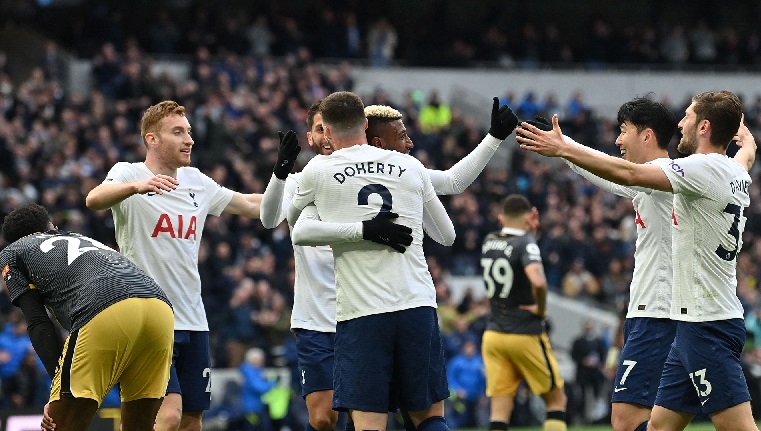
(14, 279)
(531, 253)
(689, 175)
(120, 173)
(220, 196)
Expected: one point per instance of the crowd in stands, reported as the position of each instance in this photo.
(435, 33)
(56, 145)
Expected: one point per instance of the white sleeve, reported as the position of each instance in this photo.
(304, 193)
(273, 206)
(690, 175)
(310, 230)
(436, 222)
(602, 183)
(220, 195)
(457, 178)
(120, 173)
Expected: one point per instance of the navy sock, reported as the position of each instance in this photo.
(433, 423)
(497, 426)
(349, 426)
(310, 427)
(408, 424)
(642, 426)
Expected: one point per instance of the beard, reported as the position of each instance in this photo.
(689, 142)
(317, 147)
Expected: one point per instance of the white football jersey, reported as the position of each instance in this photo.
(354, 184)
(314, 302)
(652, 280)
(314, 297)
(161, 233)
(710, 199)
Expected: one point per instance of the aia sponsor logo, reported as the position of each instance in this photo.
(179, 227)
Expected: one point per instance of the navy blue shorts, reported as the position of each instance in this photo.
(316, 356)
(703, 372)
(388, 361)
(647, 342)
(190, 374)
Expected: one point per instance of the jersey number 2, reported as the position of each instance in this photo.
(73, 250)
(379, 189)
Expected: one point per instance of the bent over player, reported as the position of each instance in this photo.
(120, 322)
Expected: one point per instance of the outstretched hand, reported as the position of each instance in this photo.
(287, 151)
(540, 123)
(743, 135)
(547, 143)
(503, 120)
(383, 231)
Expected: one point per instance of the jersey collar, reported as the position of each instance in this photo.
(513, 231)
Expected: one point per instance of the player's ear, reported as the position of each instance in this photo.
(376, 142)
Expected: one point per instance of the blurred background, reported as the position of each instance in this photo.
(75, 76)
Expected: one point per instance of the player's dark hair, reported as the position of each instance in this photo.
(515, 205)
(343, 111)
(313, 110)
(644, 113)
(723, 110)
(25, 220)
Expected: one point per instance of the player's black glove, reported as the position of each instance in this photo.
(503, 120)
(286, 154)
(383, 231)
(541, 123)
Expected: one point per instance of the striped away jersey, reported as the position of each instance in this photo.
(504, 255)
(161, 233)
(78, 276)
(710, 200)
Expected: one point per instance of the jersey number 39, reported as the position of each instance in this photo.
(497, 272)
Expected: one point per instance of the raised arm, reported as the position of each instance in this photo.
(106, 195)
(619, 171)
(746, 155)
(594, 179)
(457, 178)
(274, 203)
(276, 199)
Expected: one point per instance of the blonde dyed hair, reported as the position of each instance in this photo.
(382, 112)
(151, 121)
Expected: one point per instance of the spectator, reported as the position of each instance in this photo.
(467, 382)
(435, 115)
(254, 386)
(579, 283)
(381, 43)
(588, 352)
